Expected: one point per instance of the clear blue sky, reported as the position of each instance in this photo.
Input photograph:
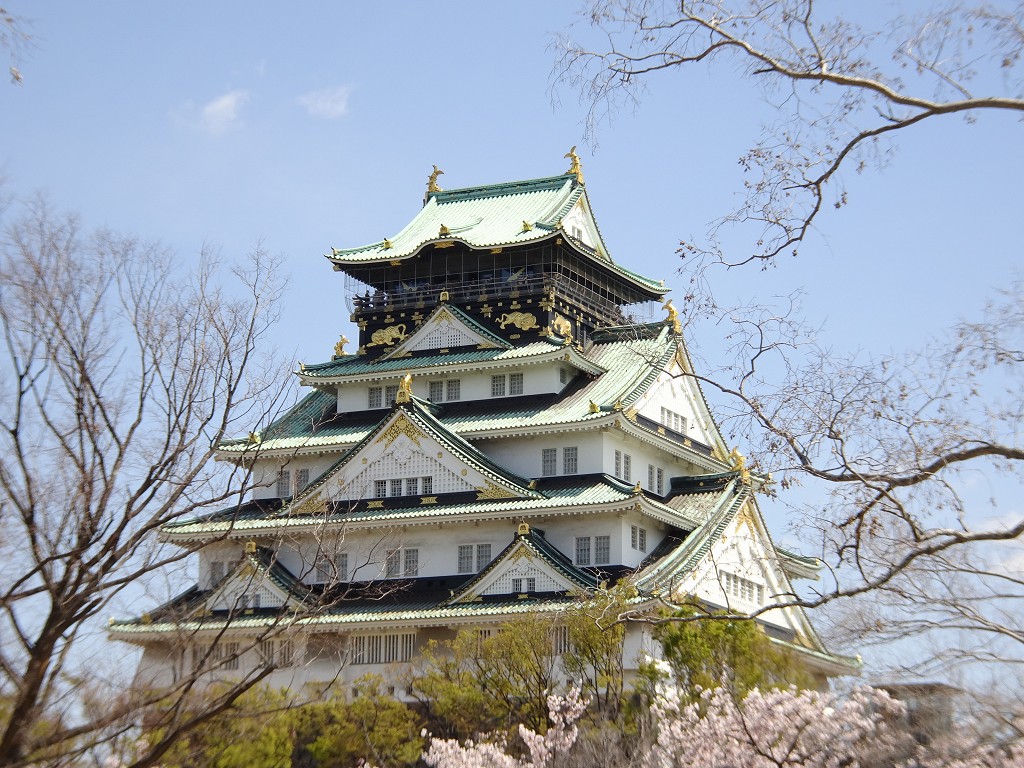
(315, 124)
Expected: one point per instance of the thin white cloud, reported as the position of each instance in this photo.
(223, 113)
(331, 103)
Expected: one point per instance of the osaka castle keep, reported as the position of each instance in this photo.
(502, 440)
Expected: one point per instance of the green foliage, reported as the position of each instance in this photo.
(266, 730)
(475, 683)
(735, 653)
(594, 658)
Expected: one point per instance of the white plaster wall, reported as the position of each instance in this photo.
(523, 455)
(264, 477)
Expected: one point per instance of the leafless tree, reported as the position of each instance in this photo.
(119, 376)
(892, 444)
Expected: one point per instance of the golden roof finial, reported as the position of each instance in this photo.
(339, 348)
(673, 316)
(404, 389)
(443, 231)
(524, 528)
(432, 185)
(739, 464)
(388, 244)
(575, 167)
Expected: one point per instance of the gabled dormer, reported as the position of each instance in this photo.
(445, 329)
(410, 456)
(257, 581)
(528, 566)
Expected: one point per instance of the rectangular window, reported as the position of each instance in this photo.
(226, 654)
(266, 652)
(641, 541)
(380, 488)
(563, 375)
(382, 649)
(393, 563)
(618, 463)
(560, 640)
(522, 586)
(661, 482)
(396, 488)
(284, 483)
(285, 653)
(582, 550)
(602, 550)
(436, 391)
(674, 421)
(301, 480)
(742, 589)
(412, 486)
(390, 393)
(428, 486)
(515, 384)
(548, 461)
(341, 566)
(412, 562)
(465, 558)
(570, 461)
(483, 556)
(375, 397)
(650, 477)
(498, 386)
(627, 467)
(452, 389)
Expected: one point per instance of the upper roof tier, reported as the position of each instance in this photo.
(498, 216)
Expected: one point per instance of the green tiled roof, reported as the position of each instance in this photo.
(358, 366)
(631, 365)
(589, 492)
(539, 548)
(488, 217)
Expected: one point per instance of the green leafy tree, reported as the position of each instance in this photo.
(593, 659)
(708, 652)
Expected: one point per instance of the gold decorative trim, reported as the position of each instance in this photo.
(375, 505)
(339, 348)
(401, 426)
(404, 394)
(386, 337)
(428, 500)
(314, 505)
(432, 185)
(575, 166)
(448, 244)
(490, 491)
(524, 321)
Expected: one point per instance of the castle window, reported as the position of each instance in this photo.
(650, 477)
(618, 463)
(483, 556)
(522, 586)
(627, 467)
(226, 655)
(284, 483)
(498, 386)
(281, 653)
(548, 462)
(412, 486)
(390, 394)
(673, 421)
(380, 488)
(570, 461)
(560, 640)
(661, 481)
(452, 389)
(742, 589)
(436, 391)
(301, 480)
(602, 550)
(515, 384)
(393, 562)
(638, 538)
(582, 550)
(465, 558)
(428, 486)
(563, 375)
(382, 649)
(375, 397)
(396, 488)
